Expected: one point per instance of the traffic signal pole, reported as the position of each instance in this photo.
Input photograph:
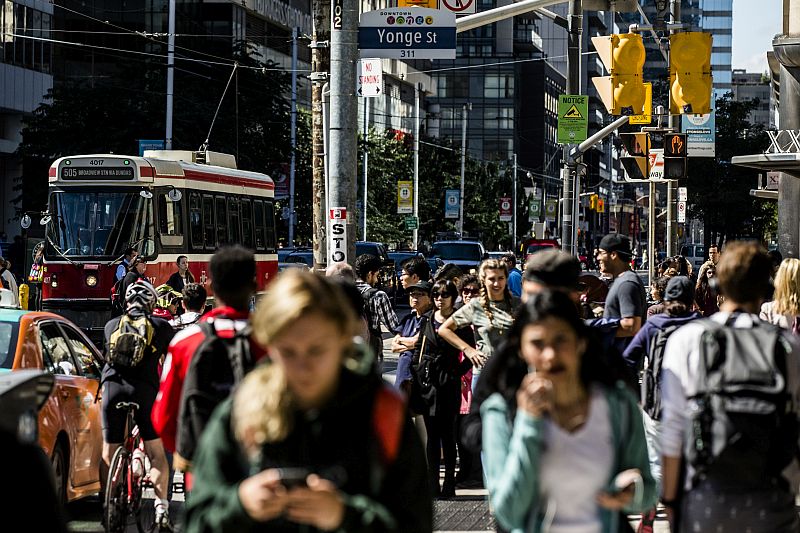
(569, 173)
(675, 123)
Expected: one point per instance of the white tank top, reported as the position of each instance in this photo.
(575, 467)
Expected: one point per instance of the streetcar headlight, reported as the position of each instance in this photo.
(91, 280)
(53, 281)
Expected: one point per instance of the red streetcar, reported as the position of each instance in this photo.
(166, 204)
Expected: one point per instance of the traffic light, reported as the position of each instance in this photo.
(690, 73)
(674, 156)
(601, 205)
(593, 202)
(636, 159)
(622, 91)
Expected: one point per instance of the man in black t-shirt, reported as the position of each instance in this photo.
(137, 383)
(626, 298)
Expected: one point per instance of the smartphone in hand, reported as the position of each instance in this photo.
(294, 477)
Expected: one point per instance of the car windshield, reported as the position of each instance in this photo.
(458, 251)
(100, 224)
(8, 343)
(533, 248)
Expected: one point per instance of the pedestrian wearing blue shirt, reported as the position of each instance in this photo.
(514, 275)
(127, 259)
(406, 333)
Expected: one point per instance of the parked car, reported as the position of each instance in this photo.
(531, 246)
(695, 254)
(467, 255)
(70, 423)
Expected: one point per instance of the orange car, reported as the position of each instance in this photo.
(70, 423)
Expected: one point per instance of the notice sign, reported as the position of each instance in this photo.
(337, 235)
(451, 197)
(407, 33)
(405, 197)
(370, 78)
(506, 211)
(573, 118)
(700, 133)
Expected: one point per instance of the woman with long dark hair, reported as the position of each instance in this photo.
(440, 370)
(705, 295)
(563, 441)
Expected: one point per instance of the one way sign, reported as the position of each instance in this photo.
(370, 78)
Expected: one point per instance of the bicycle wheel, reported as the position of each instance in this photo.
(137, 487)
(116, 499)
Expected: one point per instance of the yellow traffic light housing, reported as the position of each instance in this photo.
(690, 73)
(636, 156)
(622, 91)
(601, 205)
(593, 202)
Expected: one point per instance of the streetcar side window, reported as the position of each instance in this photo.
(209, 228)
(234, 230)
(258, 223)
(247, 223)
(195, 221)
(269, 224)
(222, 230)
(170, 220)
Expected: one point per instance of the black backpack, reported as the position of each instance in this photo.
(217, 366)
(743, 422)
(651, 373)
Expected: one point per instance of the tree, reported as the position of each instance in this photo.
(719, 192)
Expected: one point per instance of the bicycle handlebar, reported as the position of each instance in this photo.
(127, 405)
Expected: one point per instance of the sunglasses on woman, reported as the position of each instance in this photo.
(442, 294)
(473, 292)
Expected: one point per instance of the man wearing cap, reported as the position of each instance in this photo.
(626, 298)
(406, 333)
(555, 270)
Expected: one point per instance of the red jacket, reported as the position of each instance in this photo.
(183, 346)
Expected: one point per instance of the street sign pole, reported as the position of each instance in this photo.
(415, 233)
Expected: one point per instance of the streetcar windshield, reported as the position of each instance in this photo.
(100, 224)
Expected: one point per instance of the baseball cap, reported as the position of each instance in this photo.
(679, 288)
(614, 242)
(423, 286)
(554, 268)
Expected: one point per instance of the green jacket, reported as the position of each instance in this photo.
(512, 455)
(337, 442)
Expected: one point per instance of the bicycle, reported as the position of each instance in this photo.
(126, 477)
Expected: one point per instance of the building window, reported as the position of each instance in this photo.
(498, 118)
(498, 86)
(18, 22)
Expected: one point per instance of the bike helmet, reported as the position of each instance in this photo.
(141, 295)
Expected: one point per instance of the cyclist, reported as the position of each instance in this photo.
(136, 382)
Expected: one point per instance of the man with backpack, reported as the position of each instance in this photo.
(377, 307)
(646, 352)
(215, 352)
(135, 343)
(730, 387)
(194, 303)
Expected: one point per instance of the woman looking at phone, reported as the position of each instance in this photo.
(564, 447)
(305, 443)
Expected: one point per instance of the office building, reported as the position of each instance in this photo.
(747, 86)
(25, 78)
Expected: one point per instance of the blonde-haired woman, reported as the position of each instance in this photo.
(305, 443)
(784, 309)
(491, 315)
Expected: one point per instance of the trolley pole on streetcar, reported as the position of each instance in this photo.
(293, 136)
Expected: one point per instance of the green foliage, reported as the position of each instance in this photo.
(718, 190)
(391, 160)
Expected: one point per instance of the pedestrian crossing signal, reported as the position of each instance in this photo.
(674, 156)
(636, 155)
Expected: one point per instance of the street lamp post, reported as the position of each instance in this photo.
(466, 109)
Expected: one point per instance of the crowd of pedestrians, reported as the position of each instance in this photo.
(504, 378)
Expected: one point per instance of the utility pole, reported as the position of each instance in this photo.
(415, 231)
(343, 137)
(514, 211)
(319, 66)
(569, 173)
(365, 161)
(674, 122)
(293, 135)
(465, 114)
(170, 73)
